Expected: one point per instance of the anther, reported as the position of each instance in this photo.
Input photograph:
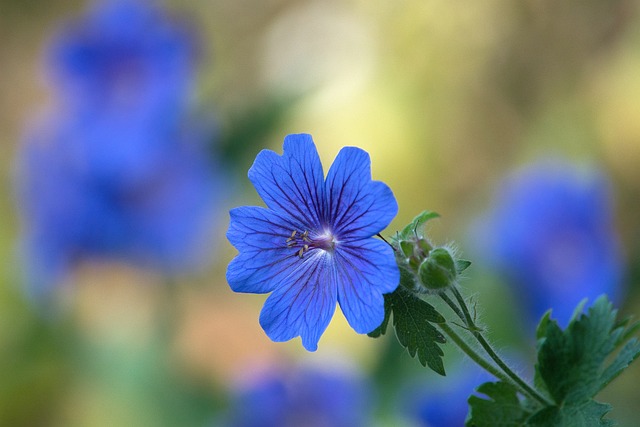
(300, 252)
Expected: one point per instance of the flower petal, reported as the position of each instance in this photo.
(292, 184)
(260, 235)
(365, 270)
(357, 206)
(304, 302)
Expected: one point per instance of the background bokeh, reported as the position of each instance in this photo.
(449, 98)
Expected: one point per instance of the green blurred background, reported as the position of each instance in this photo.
(446, 97)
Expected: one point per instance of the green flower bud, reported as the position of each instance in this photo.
(438, 271)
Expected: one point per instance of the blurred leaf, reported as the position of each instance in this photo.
(246, 131)
(34, 366)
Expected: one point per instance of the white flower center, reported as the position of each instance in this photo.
(304, 242)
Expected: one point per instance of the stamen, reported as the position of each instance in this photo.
(303, 243)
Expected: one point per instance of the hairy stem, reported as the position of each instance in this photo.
(453, 307)
(476, 332)
(469, 351)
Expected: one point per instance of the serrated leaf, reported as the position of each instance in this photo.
(417, 222)
(503, 408)
(407, 278)
(578, 352)
(588, 414)
(628, 354)
(630, 329)
(541, 330)
(578, 310)
(571, 367)
(413, 320)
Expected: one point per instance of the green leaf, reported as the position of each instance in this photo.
(588, 414)
(578, 353)
(541, 330)
(245, 131)
(413, 320)
(417, 222)
(571, 364)
(407, 278)
(628, 354)
(571, 370)
(630, 329)
(503, 408)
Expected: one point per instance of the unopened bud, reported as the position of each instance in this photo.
(438, 271)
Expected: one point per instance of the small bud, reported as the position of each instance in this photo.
(438, 271)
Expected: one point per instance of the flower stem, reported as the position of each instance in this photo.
(469, 351)
(476, 332)
(453, 307)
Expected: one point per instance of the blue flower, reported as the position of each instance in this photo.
(162, 220)
(124, 57)
(114, 170)
(442, 401)
(124, 71)
(313, 245)
(551, 231)
(303, 396)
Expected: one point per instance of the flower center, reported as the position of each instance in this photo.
(304, 242)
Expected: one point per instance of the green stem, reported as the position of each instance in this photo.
(473, 355)
(522, 385)
(453, 307)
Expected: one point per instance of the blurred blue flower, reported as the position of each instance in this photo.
(124, 57)
(551, 232)
(313, 245)
(442, 401)
(115, 170)
(125, 72)
(313, 397)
